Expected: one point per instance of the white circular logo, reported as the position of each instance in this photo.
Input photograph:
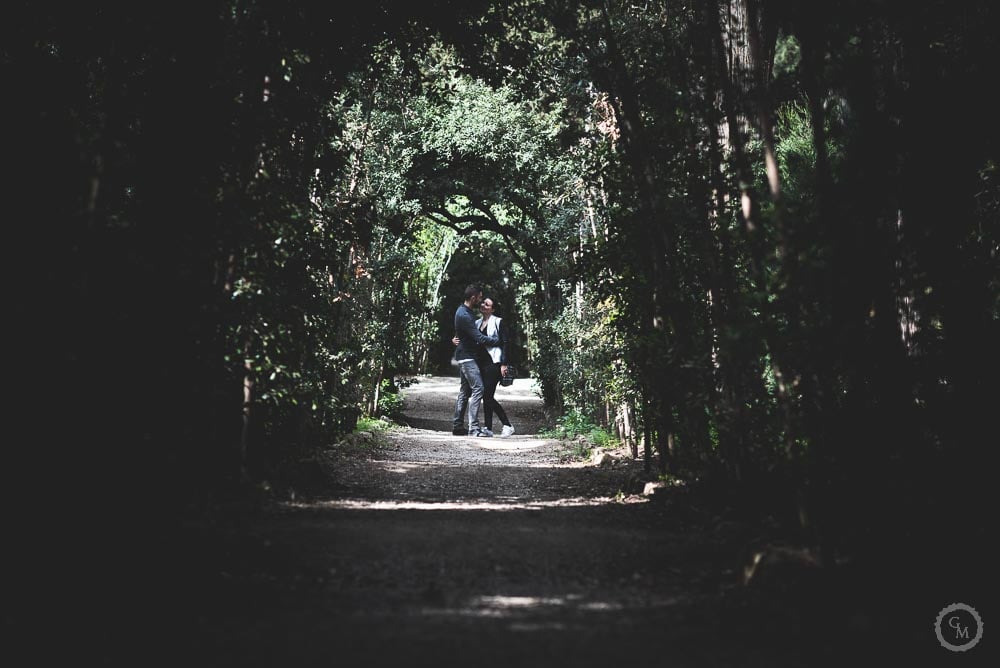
(958, 627)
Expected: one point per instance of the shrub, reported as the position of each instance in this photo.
(575, 424)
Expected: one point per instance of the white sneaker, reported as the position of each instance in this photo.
(507, 431)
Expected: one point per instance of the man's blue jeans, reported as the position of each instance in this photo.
(471, 390)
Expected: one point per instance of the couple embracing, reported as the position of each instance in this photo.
(482, 359)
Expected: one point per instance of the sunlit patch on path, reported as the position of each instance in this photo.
(505, 606)
(496, 505)
(419, 469)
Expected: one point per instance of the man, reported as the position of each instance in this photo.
(469, 341)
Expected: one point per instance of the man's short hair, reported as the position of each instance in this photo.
(471, 291)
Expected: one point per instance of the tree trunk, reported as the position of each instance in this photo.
(741, 71)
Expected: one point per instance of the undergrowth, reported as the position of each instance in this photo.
(582, 432)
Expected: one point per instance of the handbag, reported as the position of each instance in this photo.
(508, 378)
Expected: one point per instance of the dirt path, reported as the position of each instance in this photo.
(439, 550)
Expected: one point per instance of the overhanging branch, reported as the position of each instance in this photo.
(486, 221)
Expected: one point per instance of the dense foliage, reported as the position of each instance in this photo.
(759, 245)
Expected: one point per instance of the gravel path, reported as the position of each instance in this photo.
(429, 465)
(436, 550)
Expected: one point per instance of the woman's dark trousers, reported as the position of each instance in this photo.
(491, 377)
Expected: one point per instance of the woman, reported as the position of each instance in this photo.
(492, 365)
